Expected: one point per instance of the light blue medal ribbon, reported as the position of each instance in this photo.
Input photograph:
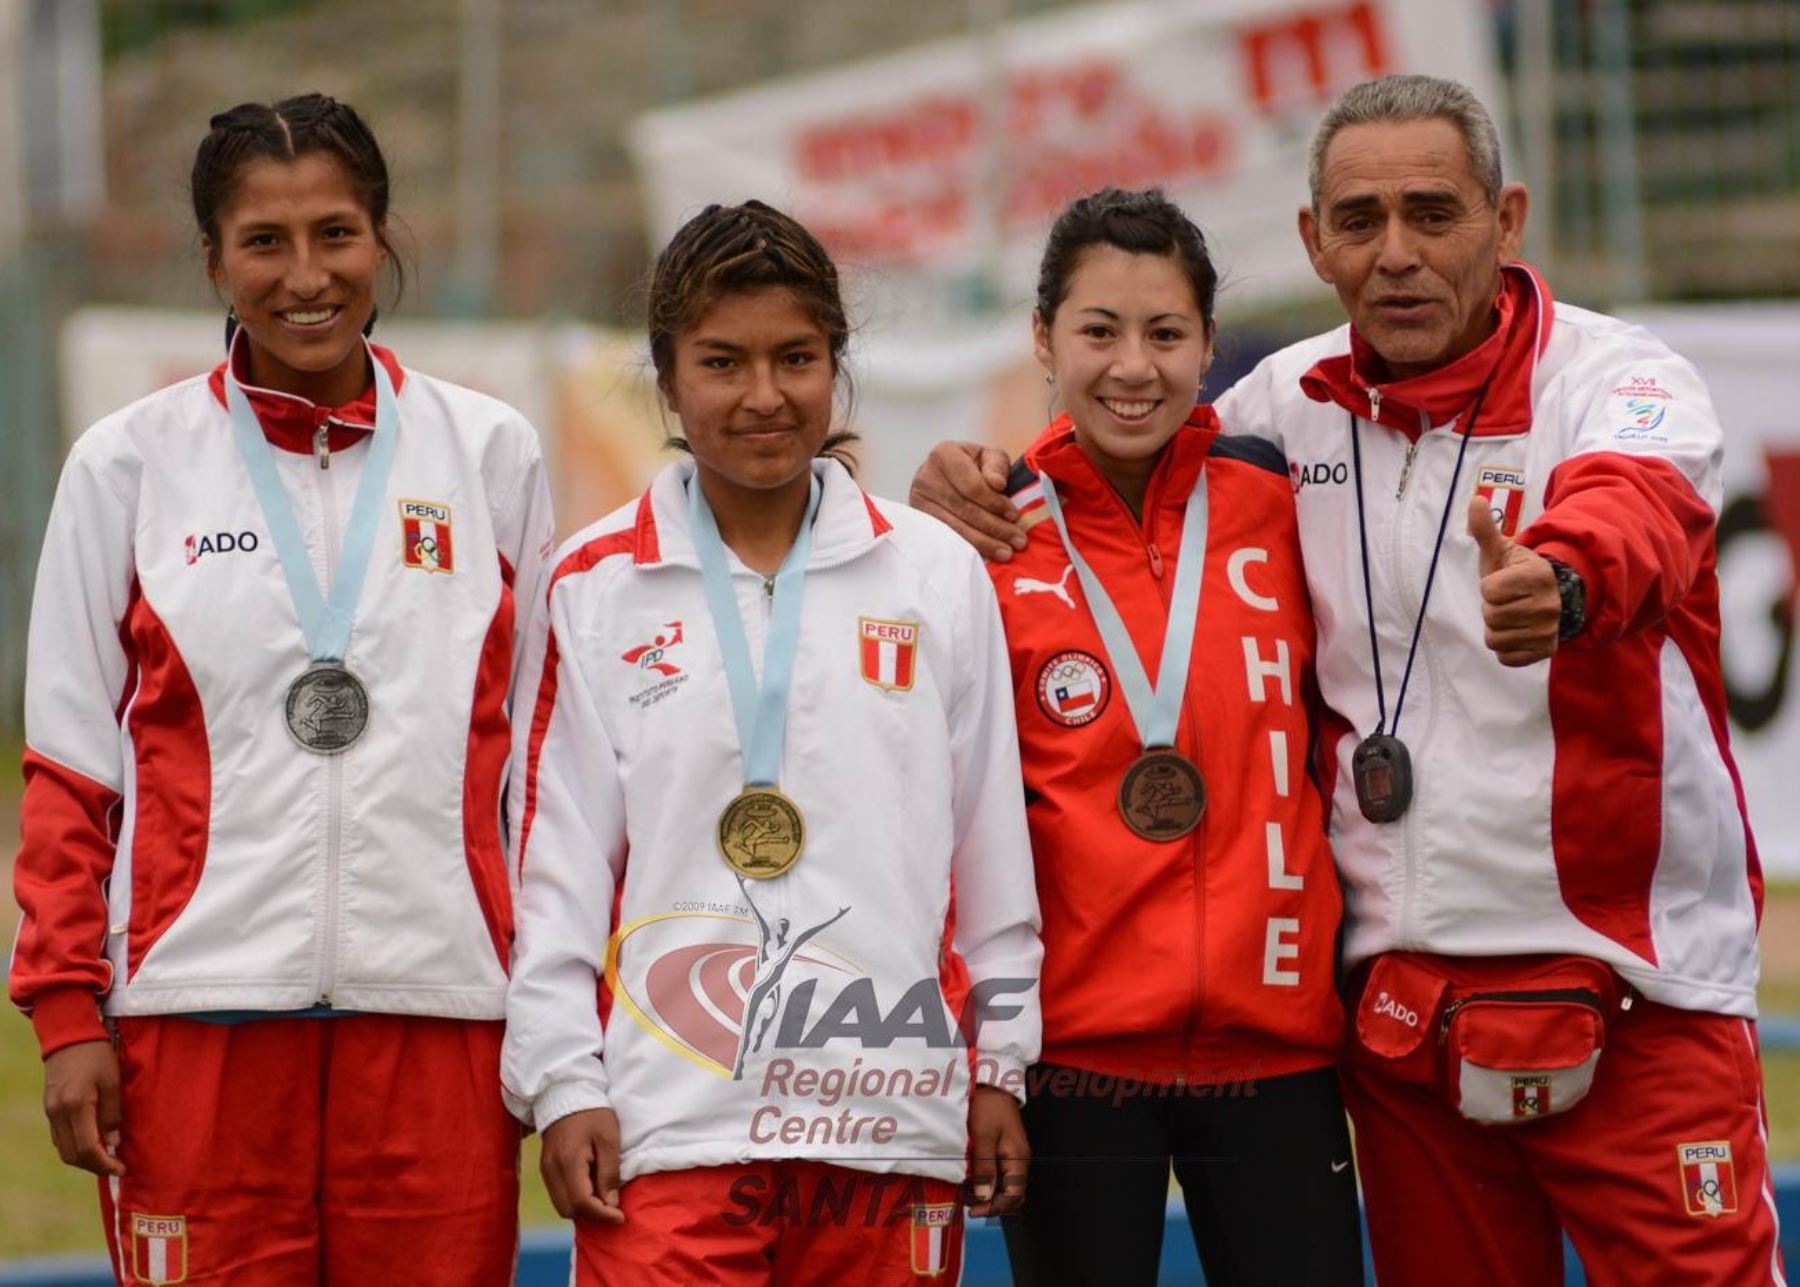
(325, 621)
(761, 710)
(1155, 712)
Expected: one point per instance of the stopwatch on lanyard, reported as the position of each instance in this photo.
(1382, 766)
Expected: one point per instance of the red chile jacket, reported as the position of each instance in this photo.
(1210, 958)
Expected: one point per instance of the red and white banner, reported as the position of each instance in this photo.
(942, 167)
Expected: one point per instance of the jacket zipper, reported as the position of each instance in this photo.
(322, 444)
(1569, 996)
(334, 764)
(1153, 554)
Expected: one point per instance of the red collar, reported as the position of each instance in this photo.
(1503, 363)
(1078, 480)
(290, 422)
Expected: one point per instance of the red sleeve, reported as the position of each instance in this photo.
(65, 856)
(1636, 531)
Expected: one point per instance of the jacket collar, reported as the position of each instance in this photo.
(1079, 480)
(289, 422)
(1503, 362)
(846, 525)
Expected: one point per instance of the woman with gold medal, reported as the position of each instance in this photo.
(788, 851)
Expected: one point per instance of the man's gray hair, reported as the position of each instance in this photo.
(1412, 98)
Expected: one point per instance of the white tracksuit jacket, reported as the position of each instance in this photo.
(1585, 805)
(915, 883)
(182, 852)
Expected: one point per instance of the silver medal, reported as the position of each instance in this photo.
(327, 709)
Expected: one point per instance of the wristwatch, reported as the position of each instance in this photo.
(1573, 592)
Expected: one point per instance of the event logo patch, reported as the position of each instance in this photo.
(1503, 488)
(1072, 688)
(425, 536)
(888, 652)
(159, 1248)
(1708, 1182)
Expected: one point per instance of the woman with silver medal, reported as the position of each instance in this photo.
(267, 915)
(793, 848)
(1190, 906)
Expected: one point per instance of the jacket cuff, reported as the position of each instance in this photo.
(1573, 555)
(565, 1099)
(66, 1017)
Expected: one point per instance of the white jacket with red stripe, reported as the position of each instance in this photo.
(181, 852)
(1588, 805)
(815, 1014)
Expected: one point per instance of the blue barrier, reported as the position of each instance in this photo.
(544, 1253)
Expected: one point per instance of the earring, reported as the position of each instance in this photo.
(1202, 388)
(231, 325)
(1050, 378)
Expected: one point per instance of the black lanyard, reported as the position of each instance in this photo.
(1362, 531)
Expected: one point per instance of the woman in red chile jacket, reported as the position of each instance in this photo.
(266, 913)
(1189, 902)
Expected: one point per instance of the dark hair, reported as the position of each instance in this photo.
(287, 131)
(1141, 223)
(729, 250)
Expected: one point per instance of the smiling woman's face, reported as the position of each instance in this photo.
(1128, 349)
(298, 258)
(1407, 237)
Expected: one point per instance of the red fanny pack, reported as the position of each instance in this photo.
(1518, 1045)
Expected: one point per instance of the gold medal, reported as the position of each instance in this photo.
(761, 833)
(1162, 795)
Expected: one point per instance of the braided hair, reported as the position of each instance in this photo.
(286, 131)
(731, 250)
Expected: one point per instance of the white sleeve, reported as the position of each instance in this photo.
(995, 891)
(75, 663)
(1248, 407)
(525, 528)
(569, 853)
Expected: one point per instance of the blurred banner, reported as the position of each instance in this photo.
(943, 167)
(1746, 354)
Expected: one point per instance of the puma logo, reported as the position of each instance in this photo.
(1060, 587)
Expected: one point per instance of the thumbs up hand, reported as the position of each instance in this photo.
(1519, 601)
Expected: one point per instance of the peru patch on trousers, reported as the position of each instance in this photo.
(158, 1248)
(1707, 1181)
(934, 1226)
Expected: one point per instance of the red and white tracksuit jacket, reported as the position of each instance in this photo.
(1587, 806)
(181, 852)
(1210, 958)
(914, 888)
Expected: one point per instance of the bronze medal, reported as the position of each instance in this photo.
(327, 709)
(761, 833)
(1162, 795)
